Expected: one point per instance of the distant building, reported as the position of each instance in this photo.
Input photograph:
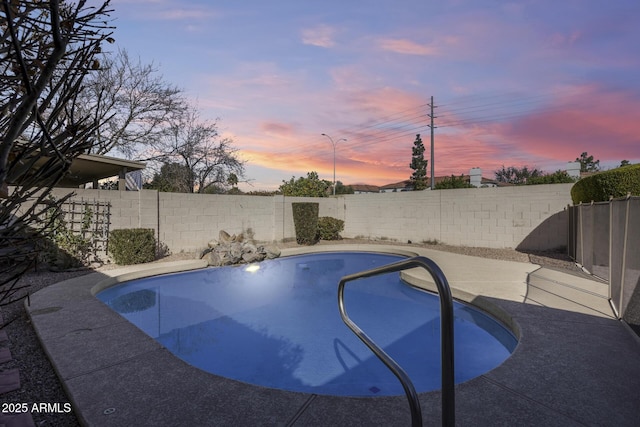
(364, 188)
(397, 186)
(573, 170)
(475, 178)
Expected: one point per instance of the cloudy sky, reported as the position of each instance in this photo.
(532, 82)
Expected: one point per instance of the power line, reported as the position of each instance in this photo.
(494, 108)
(456, 113)
(386, 119)
(492, 116)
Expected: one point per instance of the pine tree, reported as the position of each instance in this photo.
(587, 163)
(419, 165)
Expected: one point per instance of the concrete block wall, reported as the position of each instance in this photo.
(129, 209)
(525, 217)
(399, 216)
(189, 221)
(511, 217)
(521, 217)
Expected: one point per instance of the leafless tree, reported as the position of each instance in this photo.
(131, 101)
(47, 49)
(197, 146)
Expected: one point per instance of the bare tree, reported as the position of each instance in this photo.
(131, 102)
(197, 146)
(47, 48)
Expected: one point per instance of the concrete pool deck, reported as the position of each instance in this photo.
(575, 364)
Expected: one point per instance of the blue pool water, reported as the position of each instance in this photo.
(277, 324)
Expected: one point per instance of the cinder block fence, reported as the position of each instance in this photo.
(523, 217)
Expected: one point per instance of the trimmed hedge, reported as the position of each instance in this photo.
(132, 246)
(329, 228)
(305, 219)
(601, 186)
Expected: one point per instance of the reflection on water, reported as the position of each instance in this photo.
(140, 300)
(279, 325)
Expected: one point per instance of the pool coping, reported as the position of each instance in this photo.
(115, 374)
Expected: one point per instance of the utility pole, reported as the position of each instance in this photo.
(432, 116)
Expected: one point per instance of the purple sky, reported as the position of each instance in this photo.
(515, 83)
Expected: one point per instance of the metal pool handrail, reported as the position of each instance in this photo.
(446, 336)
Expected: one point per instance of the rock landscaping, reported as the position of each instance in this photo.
(235, 249)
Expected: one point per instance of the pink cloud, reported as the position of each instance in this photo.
(184, 14)
(382, 162)
(603, 123)
(407, 47)
(277, 128)
(380, 155)
(563, 39)
(165, 10)
(361, 94)
(290, 163)
(321, 36)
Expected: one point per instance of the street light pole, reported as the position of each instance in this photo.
(334, 159)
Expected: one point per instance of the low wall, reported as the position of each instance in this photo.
(523, 217)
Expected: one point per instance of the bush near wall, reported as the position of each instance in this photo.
(132, 246)
(305, 219)
(329, 228)
(601, 186)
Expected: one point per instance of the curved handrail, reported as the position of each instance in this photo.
(446, 336)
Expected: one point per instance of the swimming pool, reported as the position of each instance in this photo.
(276, 324)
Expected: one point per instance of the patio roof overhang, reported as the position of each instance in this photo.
(92, 168)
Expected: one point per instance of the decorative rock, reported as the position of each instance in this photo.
(233, 249)
(226, 260)
(224, 237)
(213, 259)
(249, 247)
(250, 257)
(271, 252)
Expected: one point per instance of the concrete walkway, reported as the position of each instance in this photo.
(575, 364)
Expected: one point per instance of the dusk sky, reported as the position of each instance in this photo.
(515, 83)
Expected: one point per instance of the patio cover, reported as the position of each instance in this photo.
(92, 168)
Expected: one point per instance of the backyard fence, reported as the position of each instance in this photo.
(605, 239)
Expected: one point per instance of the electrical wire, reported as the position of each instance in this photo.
(457, 113)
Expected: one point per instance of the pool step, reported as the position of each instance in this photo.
(568, 291)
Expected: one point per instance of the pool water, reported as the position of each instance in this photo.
(277, 324)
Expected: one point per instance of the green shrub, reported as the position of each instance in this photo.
(305, 219)
(453, 182)
(329, 228)
(558, 177)
(132, 246)
(601, 186)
